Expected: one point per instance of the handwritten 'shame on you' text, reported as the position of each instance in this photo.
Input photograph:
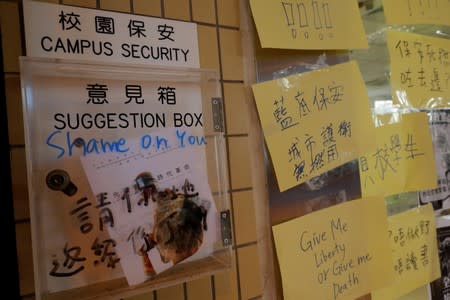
(329, 254)
(65, 144)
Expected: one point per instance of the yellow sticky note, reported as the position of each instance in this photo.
(301, 24)
(417, 11)
(315, 121)
(338, 253)
(420, 65)
(414, 252)
(403, 160)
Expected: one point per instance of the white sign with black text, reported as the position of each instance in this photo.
(61, 31)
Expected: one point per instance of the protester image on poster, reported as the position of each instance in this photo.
(179, 222)
(163, 208)
(440, 288)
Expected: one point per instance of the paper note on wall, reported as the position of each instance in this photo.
(420, 75)
(339, 252)
(414, 251)
(314, 122)
(403, 160)
(417, 11)
(439, 120)
(294, 24)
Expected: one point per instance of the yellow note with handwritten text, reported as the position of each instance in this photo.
(417, 11)
(420, 69)
(414, 249)
(338, 253)
(316, 24)
(403, 160)
(314, 122)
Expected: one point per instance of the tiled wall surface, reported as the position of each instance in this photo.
(220, 46)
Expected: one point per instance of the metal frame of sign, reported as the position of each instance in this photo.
(85, 122)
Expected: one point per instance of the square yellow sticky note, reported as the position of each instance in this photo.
(339, 253)
(420, 65)
(315, 121)
(417, 11)
(301, 24)
(414, 250)
(403, 160)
